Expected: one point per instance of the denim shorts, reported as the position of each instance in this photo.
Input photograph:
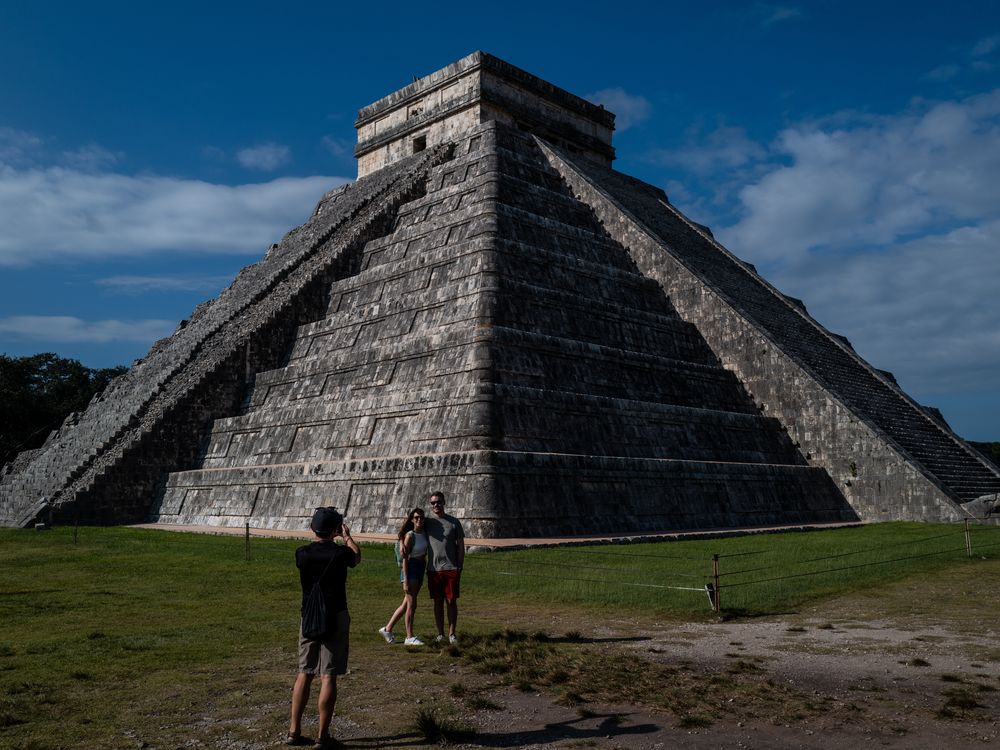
(415, 569)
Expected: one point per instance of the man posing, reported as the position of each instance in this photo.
(326, 562)
(444, 569)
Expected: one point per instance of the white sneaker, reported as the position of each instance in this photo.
(453, 639)
(439, 639)
(413, 641)
(387, 634)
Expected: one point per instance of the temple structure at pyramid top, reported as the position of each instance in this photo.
(492, 311)
(479, 88)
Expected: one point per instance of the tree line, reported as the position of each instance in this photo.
(38, 392)
(990, 450)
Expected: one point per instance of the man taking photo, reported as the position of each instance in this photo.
(324, 562)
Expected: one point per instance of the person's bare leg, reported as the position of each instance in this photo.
(411, 609)
(300, 697)
(439, 614)
(327, 701)
(397, 614)
(452, 616)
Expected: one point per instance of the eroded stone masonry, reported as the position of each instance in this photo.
(491, 310)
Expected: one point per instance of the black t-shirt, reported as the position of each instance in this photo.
(312, 560)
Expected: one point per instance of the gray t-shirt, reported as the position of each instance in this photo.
(443, 534)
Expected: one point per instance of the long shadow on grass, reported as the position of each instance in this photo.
(405, 739)
(738, 614)
(609, 726)
(585, 639)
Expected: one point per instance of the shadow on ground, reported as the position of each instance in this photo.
(609, 725)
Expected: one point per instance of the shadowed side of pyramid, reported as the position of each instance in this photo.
(891, 457)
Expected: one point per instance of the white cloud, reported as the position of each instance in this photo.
(214, 154)
(772, 14)
(889, 229)
(944, 73)
(62, 328)
(143, 284)
(337, 146)
(725, 148)
(54, 212)
(975, 61)
(18, 148)
(90, 158)
(926, 309)
(266, 157)
(629, 109)
(985, 46)
(875, 182)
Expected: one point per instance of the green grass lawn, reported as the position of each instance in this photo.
(759, 574)
(133, 634)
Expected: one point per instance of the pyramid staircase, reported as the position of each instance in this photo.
(896, 460)
(105, 464)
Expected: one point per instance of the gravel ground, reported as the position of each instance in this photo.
(883, 686)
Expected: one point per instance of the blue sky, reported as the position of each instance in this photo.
(850, 150)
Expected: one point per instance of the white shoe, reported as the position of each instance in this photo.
(453, 639)
(413, 641)
(439, 639)
(387, 634)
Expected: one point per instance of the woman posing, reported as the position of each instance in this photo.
(412, 540)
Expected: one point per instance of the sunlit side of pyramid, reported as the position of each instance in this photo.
(491, 310)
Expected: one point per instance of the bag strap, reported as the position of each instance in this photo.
(316, 583)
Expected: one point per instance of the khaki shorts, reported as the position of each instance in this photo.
(328, 656)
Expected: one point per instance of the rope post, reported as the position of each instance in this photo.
(246, 542)
(76, 527)
(968, 539)
(717, 602)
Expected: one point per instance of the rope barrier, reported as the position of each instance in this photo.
(847, 567)
(635, 554)
(512, 560)
(845, 554)
(746, 554)
(508, 561)
(616, 583)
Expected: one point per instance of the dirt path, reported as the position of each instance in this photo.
(913, 666)
(854, 685)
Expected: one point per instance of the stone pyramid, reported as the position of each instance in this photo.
(492, 311)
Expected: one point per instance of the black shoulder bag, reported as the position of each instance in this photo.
(315, 620)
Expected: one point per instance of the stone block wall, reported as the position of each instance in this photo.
(445, 105)
(108, 447)
(885, 455)
(495, 343)
(386, 379)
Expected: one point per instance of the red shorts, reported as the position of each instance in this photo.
(443, 584)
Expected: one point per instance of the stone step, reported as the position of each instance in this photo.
(574, 491)
(833, 365)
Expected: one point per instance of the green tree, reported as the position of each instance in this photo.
(990, 450)
(38, 392)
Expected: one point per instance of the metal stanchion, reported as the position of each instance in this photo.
(715, 576)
